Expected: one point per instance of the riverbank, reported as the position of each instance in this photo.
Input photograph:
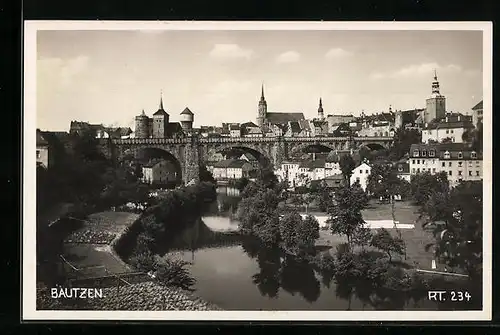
(89, 256)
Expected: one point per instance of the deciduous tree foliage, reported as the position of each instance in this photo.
(347, 164)
(403, 139)
(423, 185)
(384, 241)
(455, 217)
(345, 218)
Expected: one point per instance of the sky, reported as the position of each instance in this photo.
(109, 77)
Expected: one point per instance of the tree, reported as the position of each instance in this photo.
(307, 234)
(362, 237)
(403, 139)
(383, 181)
(455, 217)
(206, 175)
(346, 217)
(266, 176)
(447, 140)
(425, 184)
(383, 241)
(289, 225)
(347, 164)
(241, 183)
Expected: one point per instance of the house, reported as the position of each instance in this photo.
(305, 128)
(293, 129)
(451, 129)
(159, 172)
(42, 150)
(457, 160)
(250, 159)
(477, 114)
(233, 169)
(334, 182)
(319, 127)
(235, 130)
(360, 174)
(253, 132)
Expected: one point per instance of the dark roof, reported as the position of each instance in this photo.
(295, 127)
(479, 105)
(231, 163)
(284, 117)
(249, 125)
(440, 148)
(160, 112)
(448, 125)
(187, 111)
(40, 140)
(234, 127)
(120, 131)
(304, 125)
(318, 163)
(174, 128)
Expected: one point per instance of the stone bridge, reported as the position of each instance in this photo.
(190, 152)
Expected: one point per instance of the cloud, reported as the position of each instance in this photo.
(230, 51)
(417, 70)
(59, 71)
(337, 53)
(288, 57)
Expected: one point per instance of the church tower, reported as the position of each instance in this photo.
(321, 115)
(435, 104)
(262, 111)
(160, 121)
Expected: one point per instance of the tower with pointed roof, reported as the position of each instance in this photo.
(435, 104)
(160, 121)
(262, 109)
(321, 115)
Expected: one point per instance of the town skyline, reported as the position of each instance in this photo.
(109, 77)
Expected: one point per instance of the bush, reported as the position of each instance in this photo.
(174, 273)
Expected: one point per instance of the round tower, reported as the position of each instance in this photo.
(142, 126)
(187, 119)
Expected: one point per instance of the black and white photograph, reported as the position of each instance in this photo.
(257, 170)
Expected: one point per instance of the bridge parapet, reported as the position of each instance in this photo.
(129, 141)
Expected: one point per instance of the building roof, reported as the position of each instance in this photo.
(304, 125)
(187, 111)
(276, 117)
(160, 112)
(479, 105)
(253, 130)
(234, 127)
(441, 148)
(295, 126)
(315, 164)
(231, 163)
(249, 125)
(174, 128)
(467, 124)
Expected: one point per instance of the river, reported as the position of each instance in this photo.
(238, 273)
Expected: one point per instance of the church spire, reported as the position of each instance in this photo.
(320, 109)
(435, 84)
(161, 100)
(262, 98)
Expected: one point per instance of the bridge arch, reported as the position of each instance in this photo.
(259, 153)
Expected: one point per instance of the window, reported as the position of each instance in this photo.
(434, 170)
(470, 163)
(443, 164)
(413, 170)
(477, 163)
(357, 179)
(473, 155)
(418, 161)
(418, 170)
(459, 173)
(477, 173)
(430, 132)
(424, 153)
(447, 155)
(459, 164)
(415, 153)
(451, 131)
(429, 169)
(447, 131)
(449, 164)
(400, 168)
(460, 155)
(366, 171)
(432, 153)
(38, 154)
(470, 173)
(413, 162)
(449, 172)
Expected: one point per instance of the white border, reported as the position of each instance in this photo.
(29, 311)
